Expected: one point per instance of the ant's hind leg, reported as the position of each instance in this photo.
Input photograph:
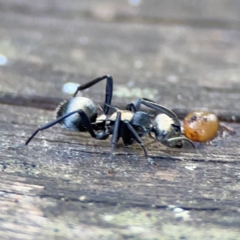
(108, 91)
(85, 119)
(48, 125)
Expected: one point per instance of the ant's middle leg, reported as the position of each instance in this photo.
(138, 139)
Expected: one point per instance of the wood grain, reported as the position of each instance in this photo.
(182, 54)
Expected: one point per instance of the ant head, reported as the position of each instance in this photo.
(166, 127)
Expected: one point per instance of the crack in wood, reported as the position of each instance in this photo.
(50, 103)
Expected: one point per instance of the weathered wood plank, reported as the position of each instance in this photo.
(181, 67)
(62, 177)
(183, 54)
(51, 103)
(59, 218)
(107, 10)
(62, 148)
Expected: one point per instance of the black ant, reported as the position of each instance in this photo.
(80, 114)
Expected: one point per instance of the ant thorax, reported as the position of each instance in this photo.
(101, 118)
(125, 115)
(74, 122)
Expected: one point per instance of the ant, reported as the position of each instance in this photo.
(80, 114)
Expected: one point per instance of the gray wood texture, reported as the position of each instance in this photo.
(183, 54)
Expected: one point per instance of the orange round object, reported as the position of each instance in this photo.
(201, 126)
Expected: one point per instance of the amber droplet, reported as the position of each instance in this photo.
(201, 126)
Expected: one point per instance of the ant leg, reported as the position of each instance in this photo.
(108, 91)
(138, 139)
(131, 107)
(184, 139)
(88, 125)
(114, 138)
(86, 121)
(137, 104)
(48, 125)
(155, 106)
(134, 107)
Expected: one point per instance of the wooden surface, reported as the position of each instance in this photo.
(183, 54)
